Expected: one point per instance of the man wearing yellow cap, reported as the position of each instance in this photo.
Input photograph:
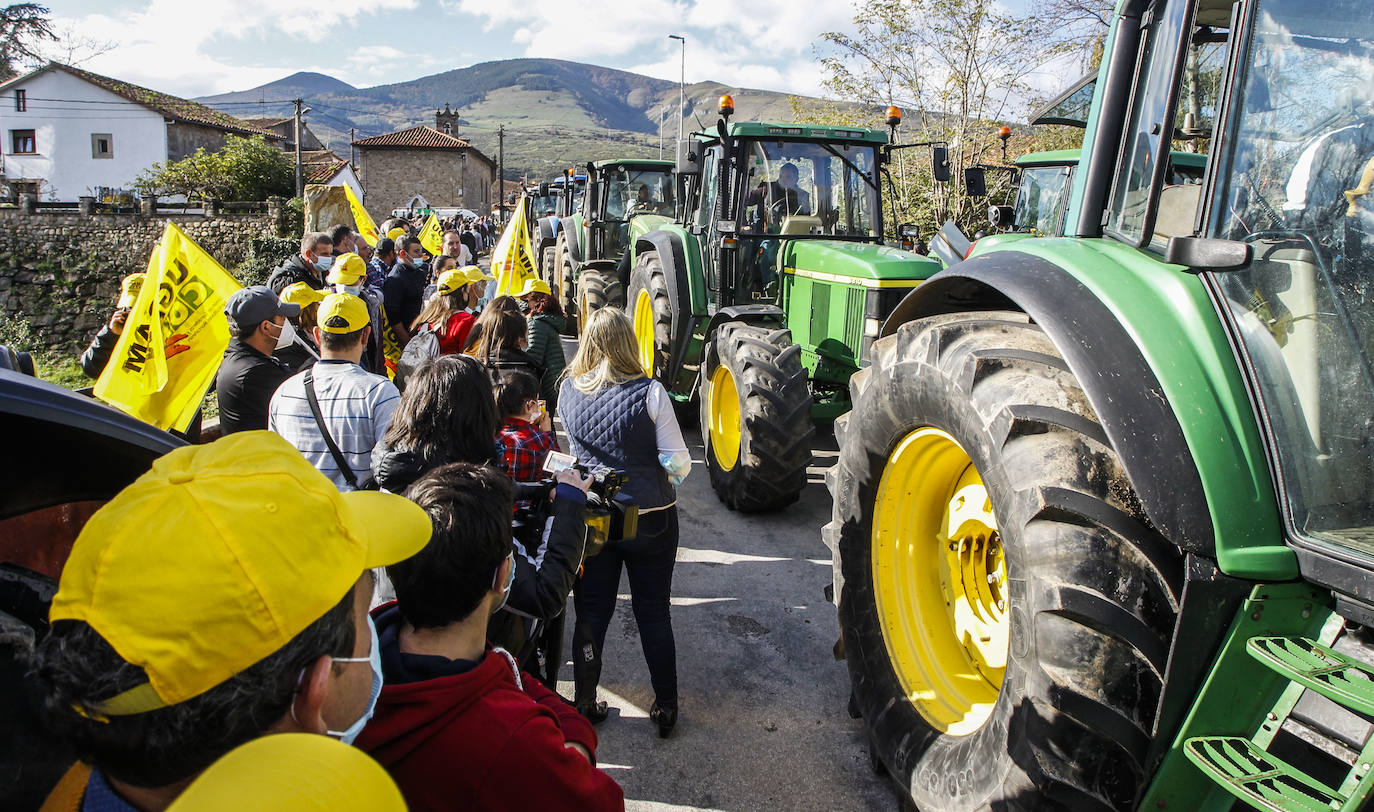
(336, 411)
(219, 598)
(96, 356)
(349, 275)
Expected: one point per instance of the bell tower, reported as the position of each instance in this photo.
(446, 121)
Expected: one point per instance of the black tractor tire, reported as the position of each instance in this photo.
(648, 277)
(597, 288)
(566, 289)
(1092, 588)
(548, 267)
(775, 428)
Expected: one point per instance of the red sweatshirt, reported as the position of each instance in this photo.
(479, 740)
(453, 334)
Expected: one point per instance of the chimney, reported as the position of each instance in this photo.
(446, 120)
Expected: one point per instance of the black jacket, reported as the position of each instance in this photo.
(510, 359)
(96, 356)
(244, 386)
(397, 468)
(291, 270)
(295, 355)
(403, 294)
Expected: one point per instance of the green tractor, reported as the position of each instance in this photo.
(765, 298)
(594, 249)
(1103, 524)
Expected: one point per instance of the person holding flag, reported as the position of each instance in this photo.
(250, 374)
(362, 221)
(512, 259)
(174, 336)
(432, 236)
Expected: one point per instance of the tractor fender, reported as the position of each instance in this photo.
(749, 314)
(569, 227)
(1120, 385)
(548, 230)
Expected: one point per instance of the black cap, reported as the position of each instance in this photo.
(251, 306)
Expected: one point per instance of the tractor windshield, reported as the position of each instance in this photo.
(632, 191)
(810, 189)
(1295, 184)
(1041, 199)
(545, 205)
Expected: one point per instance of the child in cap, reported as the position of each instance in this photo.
(446, 313)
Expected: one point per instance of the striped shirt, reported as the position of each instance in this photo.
(356, 405)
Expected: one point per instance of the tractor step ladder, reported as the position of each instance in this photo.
(1242, 766)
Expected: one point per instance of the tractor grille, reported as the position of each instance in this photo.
(853, 317)
(820, 311)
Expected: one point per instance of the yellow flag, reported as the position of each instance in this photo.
(512, 259)
(174, 338)
(362, 221)
(432, 236)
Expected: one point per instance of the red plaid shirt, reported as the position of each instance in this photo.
(524, 447)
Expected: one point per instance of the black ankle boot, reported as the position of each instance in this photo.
(594, 712)
(665, 716)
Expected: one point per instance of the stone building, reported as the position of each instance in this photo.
(286, 128)
(446, 170)
(70, 133)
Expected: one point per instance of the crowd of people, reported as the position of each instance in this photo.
(382, 554)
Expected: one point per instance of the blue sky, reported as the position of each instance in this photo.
(201, 47)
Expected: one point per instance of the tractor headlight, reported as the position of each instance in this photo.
(872, 327)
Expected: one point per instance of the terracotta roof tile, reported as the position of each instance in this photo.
(173, 107)
(320, 165)
(422, 137)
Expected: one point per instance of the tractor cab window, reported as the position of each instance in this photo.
(1041, 199)
(546, 205)
(806, 189)
(1181, 65)
(634, 191)
(1295, 184)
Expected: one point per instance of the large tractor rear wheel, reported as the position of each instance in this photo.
(652, 312)
(597, 288)
(1006, 607)
(755, 417)
(566, 289)
(548, 266)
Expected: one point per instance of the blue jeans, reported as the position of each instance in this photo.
(648, 560)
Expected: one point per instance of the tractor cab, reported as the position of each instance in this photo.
(621, 192)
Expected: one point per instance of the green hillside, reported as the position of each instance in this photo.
(556, 113)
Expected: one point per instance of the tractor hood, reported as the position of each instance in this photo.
(856, 260)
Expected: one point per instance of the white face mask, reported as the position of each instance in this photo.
(356, 290)
(287, 335)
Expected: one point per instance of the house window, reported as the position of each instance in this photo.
(22, 142)
(21, 101)
(102, 145)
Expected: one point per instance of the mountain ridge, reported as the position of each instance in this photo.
(557, 113)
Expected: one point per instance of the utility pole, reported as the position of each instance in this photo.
(300, 172)
(352, 150)
(681, 84)
(501, 171)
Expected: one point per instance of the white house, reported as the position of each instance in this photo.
(67, 133)
(322, 166)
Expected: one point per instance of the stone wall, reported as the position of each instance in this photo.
(61, 272)
(444, 177)
(184, 139)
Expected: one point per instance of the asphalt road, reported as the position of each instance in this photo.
(763, 723)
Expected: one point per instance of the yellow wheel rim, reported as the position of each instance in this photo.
(644, 331)
(724, 417)
(940, 581)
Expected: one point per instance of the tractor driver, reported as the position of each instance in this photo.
(780, 198)
(644, 200)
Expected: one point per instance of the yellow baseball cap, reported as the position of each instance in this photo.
(301, 294)
(342, 313)
(535, 286)
(219, 556)
(476, 274)
(396, 233)
(129, 288)
(292, 771)
(452, 281)
(347, 269)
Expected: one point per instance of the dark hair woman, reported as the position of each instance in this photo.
(615, 416)
(493, 310)
(546, 323)
(447, 414)
(501, 346)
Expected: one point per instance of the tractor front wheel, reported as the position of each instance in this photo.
(597, 288)
(755, 417)
(1006, 607)
(566, 289)
(651, 310)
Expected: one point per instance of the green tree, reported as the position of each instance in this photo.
(243, 169)
(24, 27)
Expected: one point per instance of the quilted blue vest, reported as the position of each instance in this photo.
(612, 428)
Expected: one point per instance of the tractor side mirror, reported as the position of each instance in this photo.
(544, 189)
(688, 157)
(975, 182)
(1003, 217)
(593, 201)
(908, 231)
(939, 157)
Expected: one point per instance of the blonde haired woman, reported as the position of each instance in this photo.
(617, 417)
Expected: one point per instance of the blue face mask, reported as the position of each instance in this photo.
(324, 263)
(375, 658)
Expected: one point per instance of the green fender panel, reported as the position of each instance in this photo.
(1166, 315)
